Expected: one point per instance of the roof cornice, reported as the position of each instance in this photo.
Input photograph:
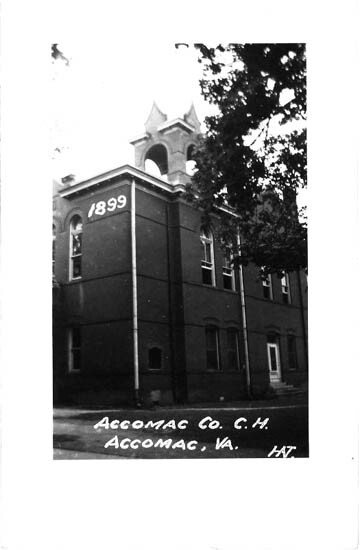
(125, 170)
(176, 122)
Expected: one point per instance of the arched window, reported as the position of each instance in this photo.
(207, 258)
(76, 230)
(53, 249)
(155, 358)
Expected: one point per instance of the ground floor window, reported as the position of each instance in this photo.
(155, 358)
(233, 348)
(74, 351)
(212, 348)
(292, 355)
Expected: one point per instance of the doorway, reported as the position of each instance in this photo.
(273, 354)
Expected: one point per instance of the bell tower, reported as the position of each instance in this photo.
(168, 143)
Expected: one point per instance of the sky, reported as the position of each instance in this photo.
(103, 97)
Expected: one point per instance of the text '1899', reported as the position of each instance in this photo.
(100, 208)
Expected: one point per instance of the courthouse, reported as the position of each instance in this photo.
(147, 306)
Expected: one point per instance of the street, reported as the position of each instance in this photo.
(254, 431)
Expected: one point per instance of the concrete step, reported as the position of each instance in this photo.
(282, 388)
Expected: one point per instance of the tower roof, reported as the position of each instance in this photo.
(155, 119)
(191, 118)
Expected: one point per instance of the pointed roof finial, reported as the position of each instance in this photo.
(155, 118)
(192, 118)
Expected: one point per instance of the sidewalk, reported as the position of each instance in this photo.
(299, 400)
(262, 424)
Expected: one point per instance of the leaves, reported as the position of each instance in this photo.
(242, 162)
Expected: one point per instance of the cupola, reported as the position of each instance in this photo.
(168, 144)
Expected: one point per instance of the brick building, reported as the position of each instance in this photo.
(147, 305)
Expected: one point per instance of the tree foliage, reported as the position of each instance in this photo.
(253, 156)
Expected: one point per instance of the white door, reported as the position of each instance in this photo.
(274, 362)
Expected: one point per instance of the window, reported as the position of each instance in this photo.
(285, 289)
(76, 229)
(233, 348)
(228, 270)
(292, 356)
(74, 349)
(155, 358)
(207, 258)
(212, 348)
(267, 287)
(53, 249)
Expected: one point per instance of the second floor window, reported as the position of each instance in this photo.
(76, 230)
(285, 289)
(228, 270)
(207, 258)
(267, 287)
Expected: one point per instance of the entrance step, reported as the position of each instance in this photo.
(282, 388)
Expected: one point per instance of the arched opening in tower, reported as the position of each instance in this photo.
(190, 163)
(156, 160)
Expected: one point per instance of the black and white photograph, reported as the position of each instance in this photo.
(180, 277)
(179, 265)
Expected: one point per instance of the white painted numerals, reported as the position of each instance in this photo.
(101, 207)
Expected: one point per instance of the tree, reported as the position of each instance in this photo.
(252, 159)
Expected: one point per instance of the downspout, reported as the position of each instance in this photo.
(303, 319)
(134, 296)
(244, 323)
(170, 310)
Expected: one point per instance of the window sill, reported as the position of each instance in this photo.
(233, 290)
(213, 370)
